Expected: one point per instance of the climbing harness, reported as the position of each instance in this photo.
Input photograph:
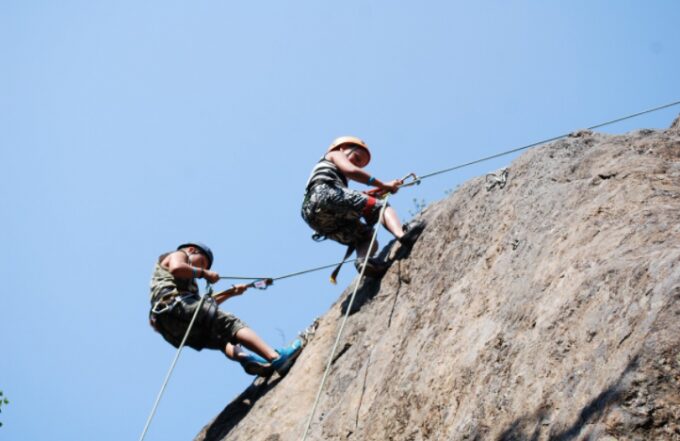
(501, 180)
(342, 326)
(418, 180)
(262, 282)
(209, 291)
(167, 300)
(373, 195)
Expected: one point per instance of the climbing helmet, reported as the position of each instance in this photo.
(349, 140)
(202, 248)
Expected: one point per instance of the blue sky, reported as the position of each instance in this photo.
(127, 128)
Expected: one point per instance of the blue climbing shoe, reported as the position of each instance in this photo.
(287, 357)
(255, 365)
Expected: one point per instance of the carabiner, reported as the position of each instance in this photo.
(261, 284)
(415, 181)
(379, 193)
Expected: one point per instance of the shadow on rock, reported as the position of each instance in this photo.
(220, 427)
(529, 427)
(370, 286)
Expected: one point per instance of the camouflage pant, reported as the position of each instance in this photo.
(336, 212)
(213, 328)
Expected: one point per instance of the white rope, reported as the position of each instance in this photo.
(415, 182)
(174, 362)
(342, 326)
(545, 141)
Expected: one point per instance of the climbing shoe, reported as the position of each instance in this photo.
(412, 232)
(287, 357)
(375, 267)
(255, 365)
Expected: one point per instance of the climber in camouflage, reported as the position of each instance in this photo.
(175, 297)
(348, 216)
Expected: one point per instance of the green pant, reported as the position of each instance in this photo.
(212, 329)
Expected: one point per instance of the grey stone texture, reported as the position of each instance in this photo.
(545, 310)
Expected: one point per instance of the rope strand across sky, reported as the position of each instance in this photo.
(127, 128)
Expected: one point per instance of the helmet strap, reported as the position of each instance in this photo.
(352, 148)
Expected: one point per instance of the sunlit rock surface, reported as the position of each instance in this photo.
(548, 309)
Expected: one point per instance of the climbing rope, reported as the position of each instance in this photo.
(174, 361)
(555, 138)
(263, 282)
(299, 273)
(342, 326)
(417, 180)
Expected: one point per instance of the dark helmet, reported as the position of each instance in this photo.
(203, 248)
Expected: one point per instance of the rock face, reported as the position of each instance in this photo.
(548, 309)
